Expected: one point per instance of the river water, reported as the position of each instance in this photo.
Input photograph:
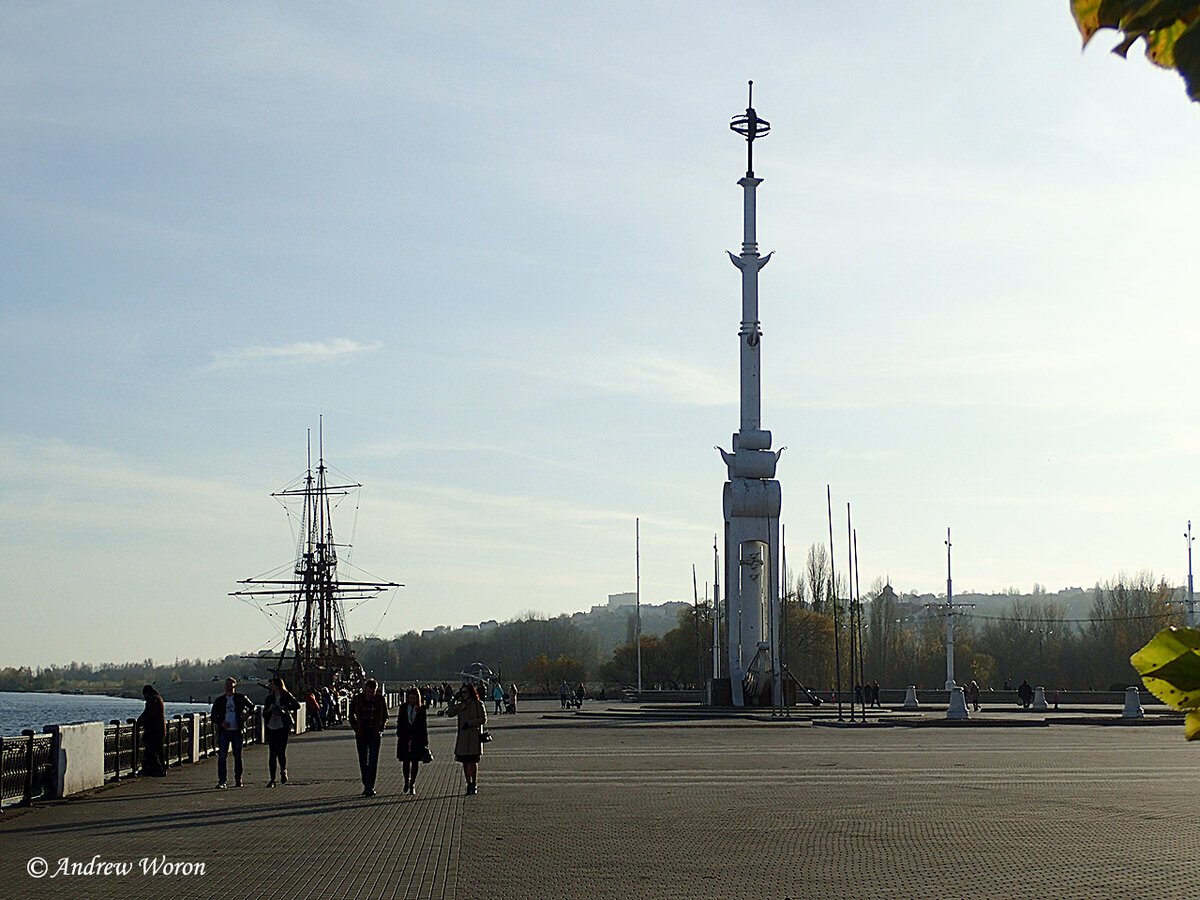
(29, 710)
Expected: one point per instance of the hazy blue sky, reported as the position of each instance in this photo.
(488, 245)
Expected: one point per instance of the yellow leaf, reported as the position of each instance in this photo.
(1160, 45)
(1170, 667)
(1191, 725)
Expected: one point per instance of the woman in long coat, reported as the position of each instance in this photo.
(468, 746)
(412, 738)
(153, 723)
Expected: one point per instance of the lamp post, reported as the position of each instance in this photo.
(1191, 599)
(637, 596)
(1041, 636)
(949, 620)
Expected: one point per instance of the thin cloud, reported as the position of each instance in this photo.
(656, 378)
(336, 350)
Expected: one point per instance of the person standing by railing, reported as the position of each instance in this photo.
(153, 724)
(278, 720)
(229, 713)
(368, 718)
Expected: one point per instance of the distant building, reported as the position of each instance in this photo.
(488, 625)
(469, 628)
(629, 598)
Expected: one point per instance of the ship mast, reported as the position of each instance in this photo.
(316, 650)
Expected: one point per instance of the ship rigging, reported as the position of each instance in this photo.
(315, 651)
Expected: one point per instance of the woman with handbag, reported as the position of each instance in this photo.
(468, 746)
(278, 714)
(412, 738)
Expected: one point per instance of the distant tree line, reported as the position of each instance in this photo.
(122, 678)
(903, 641)
(904, 637)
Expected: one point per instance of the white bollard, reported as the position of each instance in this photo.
(78, 755)
(910, 698)
(1039, 700)
(958, 704)
(1133, 705)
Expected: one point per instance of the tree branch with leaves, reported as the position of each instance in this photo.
(1170, 30)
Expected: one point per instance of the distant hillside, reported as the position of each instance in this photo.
(613, 626)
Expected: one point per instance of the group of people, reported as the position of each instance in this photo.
(867, 694)
(568, 697)
(368, 717)
(324, 709)
(504, 698)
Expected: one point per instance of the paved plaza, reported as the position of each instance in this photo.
(593, 806)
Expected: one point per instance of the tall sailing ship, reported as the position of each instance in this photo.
(315, 651)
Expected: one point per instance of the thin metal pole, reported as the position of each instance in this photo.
(862, 672)
(949, 619)
(716, 610)
(1191, 600)
(783, 621)
(855, 687)
(837, 640)
(637, 537)
(696, 629)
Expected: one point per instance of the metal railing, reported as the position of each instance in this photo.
(26, 762)
(26, 767)
(120, 749)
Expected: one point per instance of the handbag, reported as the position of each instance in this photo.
(426, 756)
(485, 737)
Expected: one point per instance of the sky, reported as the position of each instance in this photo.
(485, 247)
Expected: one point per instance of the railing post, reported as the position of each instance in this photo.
(133, 749)
(1, 774)
(27, 800)
(117, 748)
(179, 741)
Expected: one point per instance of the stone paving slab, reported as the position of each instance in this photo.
(580, 807)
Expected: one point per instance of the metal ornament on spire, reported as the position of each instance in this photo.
(750, 126)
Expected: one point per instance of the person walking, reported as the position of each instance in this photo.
(563, 690)
(412, 738)
(468, 745)
(278, 717)
(229, 713)
(512, 694)
(579, 694)
(498, 697)
(313, 711)
(368, 718)
(973, 695)
(153, 724)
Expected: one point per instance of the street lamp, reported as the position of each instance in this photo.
(1041, 635)
(1191, 602)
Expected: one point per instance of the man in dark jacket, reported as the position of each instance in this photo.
(229, 713)
(1025, 693)
(368, 718)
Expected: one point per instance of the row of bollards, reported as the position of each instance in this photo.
(957, 708)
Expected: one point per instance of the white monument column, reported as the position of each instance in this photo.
(752, 498)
